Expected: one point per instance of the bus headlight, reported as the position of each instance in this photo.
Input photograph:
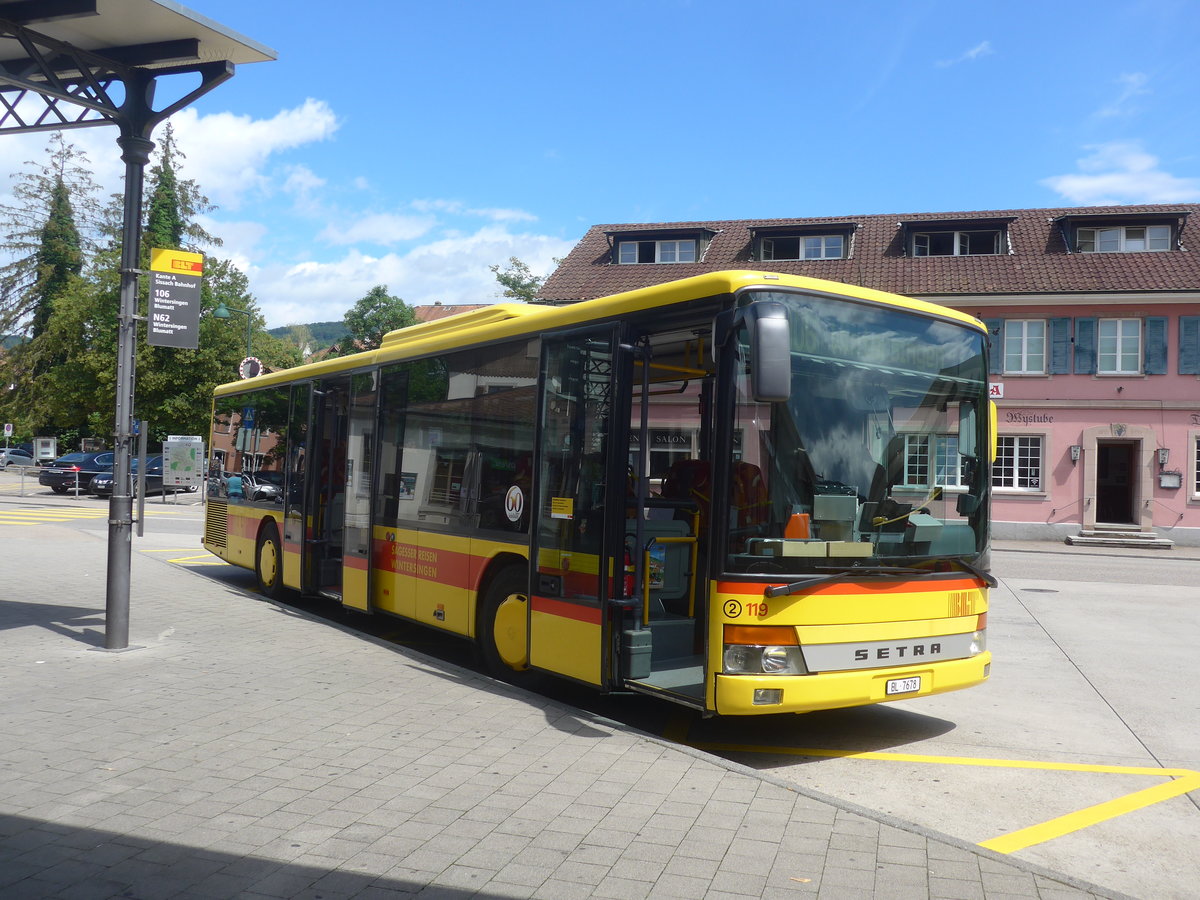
(979, 638)
(762, 650)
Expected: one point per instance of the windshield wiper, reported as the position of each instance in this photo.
(784, 589)
(987, 577)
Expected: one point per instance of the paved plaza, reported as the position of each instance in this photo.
(247, 750)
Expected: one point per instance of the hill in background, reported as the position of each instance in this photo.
(324, 334)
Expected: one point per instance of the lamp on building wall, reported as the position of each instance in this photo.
(1075, 451)
(1164, 454)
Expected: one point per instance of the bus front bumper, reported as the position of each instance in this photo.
(736, 694)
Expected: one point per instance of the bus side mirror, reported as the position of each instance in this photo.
(966, 429)
(995, 441)
(770, 352)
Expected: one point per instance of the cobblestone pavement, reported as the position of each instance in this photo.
(246, 750)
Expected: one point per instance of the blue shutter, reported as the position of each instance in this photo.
(1085, 346)
(1060, 347)
(1154, 351)
(995, 329)
(1189, 345)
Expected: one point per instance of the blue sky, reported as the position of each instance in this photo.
(415, 144)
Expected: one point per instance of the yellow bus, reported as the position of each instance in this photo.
(742, 492)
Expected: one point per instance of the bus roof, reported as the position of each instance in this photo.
(508, 320)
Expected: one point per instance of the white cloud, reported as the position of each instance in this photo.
(1121, 172)
(301, 180)
(227, 153)
(377, 228)
(457, 207)
(1133, 84)
(980, 50)
(451, 270)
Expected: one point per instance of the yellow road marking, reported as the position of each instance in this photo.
(1084, 818)
(1182, 781)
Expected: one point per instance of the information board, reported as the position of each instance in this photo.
(183, 461)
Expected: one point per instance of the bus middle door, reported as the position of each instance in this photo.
(580, 508)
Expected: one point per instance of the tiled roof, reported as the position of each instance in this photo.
(1039, 261)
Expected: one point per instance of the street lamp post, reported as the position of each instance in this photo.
(225, 312)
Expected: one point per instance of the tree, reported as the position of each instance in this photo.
(65, 376)
(45, 234)
(174, 204)
(518, 282)
(373, 316)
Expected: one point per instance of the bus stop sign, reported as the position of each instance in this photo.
(174, 319)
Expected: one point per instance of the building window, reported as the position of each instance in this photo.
(1025, 346)
(818, 246)
(1124, 239)
(1018, 464)
(1196, 467)
(678, 251)
(956, 243)
(1119, 347)
(927, 465)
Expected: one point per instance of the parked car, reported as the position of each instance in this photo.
(75, 471)
(15, 456)
(102, 484)
(263, 485)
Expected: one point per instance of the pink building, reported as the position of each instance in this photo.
(1095, 322)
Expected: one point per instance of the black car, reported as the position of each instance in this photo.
(102, 484)
(75, 471)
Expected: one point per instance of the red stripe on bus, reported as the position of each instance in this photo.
(355, 562)
(447, 567)
(550, 606)
(857, 587)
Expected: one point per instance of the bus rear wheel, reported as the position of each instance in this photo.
(268, 563)
(503, 632)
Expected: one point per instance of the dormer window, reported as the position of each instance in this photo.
(982, 236)
(1123, 239)
(817, 246)
(802, 242)
(674, 251)
(956, 243)
(1122, 232)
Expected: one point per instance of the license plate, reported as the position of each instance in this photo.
(903, 685)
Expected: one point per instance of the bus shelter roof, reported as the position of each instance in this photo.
(144, 33)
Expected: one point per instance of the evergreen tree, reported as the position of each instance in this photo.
(65, 376)
(45, 235)
(173, 204)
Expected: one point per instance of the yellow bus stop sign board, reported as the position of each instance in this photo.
(174, 316)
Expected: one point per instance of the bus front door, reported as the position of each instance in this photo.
(580, 510)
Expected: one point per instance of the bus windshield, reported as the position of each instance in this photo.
(879, 457)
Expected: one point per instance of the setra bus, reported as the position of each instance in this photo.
(743, 492)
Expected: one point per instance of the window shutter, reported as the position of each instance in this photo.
(995, 329)
(1189, 345)
(1060, 346)
(1155, 352)
(1085, 346)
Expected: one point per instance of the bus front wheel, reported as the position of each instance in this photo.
(268, 563)
(503, 631)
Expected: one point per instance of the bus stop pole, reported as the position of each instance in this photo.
(135, 153)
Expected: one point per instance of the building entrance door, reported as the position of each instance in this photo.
(1115, 482)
